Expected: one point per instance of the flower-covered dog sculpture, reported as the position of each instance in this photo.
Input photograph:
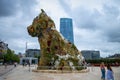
(56, 51)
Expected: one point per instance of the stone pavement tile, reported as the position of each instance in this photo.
(43, 78)
(1, 78)
(116, 73)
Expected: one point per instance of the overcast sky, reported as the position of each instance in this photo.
(96, 23)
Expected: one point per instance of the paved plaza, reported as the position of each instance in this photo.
(23, 73)
(4, 70)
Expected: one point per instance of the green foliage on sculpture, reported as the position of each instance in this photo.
(56, 51)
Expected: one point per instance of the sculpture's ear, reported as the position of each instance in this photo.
(42, 11)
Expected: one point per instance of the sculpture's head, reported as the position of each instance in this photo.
(40, 23)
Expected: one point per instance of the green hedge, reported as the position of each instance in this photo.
(105, 60)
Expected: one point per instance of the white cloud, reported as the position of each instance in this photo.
(88, 4)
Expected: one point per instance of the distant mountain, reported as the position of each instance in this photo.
(117, 55)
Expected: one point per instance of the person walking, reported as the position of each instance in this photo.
(29, 65)
(5, 65)
(109, 74)
(15, 64)
(102, 67)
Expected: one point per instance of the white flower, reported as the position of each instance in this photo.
(56, 63)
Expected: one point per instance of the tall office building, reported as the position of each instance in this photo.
(91, 54)
(66, 29)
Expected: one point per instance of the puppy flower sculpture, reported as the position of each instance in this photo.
(56, 51)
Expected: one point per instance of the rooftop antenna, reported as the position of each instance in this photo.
(26, 47)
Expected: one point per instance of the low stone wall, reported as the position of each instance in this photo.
(67, 68)
(62, 71)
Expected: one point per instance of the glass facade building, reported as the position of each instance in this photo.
(32, 52)
(91, 54)
(66, 29)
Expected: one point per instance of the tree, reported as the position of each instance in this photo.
(11, 57)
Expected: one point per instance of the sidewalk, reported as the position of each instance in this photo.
(4, 70)
(23, 73)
